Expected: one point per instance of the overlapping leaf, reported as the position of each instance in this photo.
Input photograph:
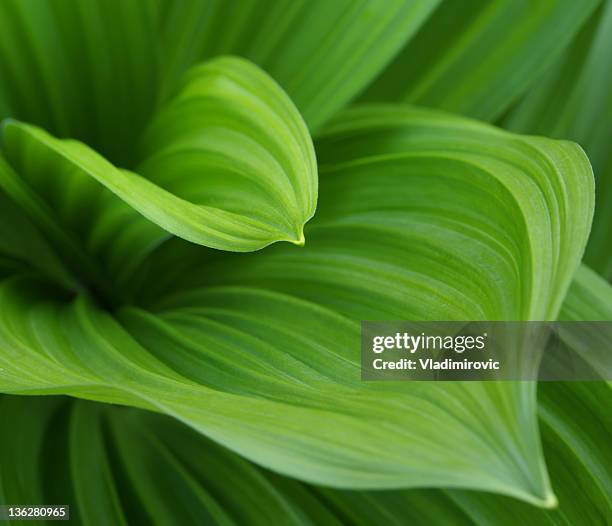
(133, 467)
(130, 467)
(228, 164)
(424, 216)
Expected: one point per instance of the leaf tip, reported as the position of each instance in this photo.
(546, 499)
(300, 241)
(549, 501)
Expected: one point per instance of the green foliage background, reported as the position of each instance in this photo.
(419, 160)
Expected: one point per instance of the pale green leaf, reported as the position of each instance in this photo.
(167, 474)
(246, 176)
(576, 429)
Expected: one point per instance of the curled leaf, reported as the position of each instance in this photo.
(230, 137)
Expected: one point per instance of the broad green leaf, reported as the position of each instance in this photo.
(252, 389)
(464, 192)
(232, 140)
(576, 428)
(228, 164)
(576, 436)
(165, 473)
(574, 101)
(323, 53)
(424, 216)
(475, 57)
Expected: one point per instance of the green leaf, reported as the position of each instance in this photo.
(84, 69)
(231, 139)
(309, 416)
(425, 216)
(97, 70)
(127, 465)
(574, 101)
(465, 189)
(127, 164)
(576, 434)
(322, 53)
(91, 472)
(228, 164)
(475, 57)
(165, 473)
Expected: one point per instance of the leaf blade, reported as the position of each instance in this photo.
(477, 57)
(322, 53)
(282, 164)
(222, 347)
